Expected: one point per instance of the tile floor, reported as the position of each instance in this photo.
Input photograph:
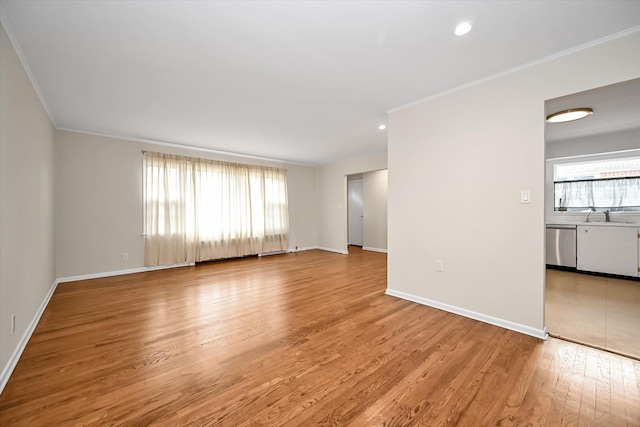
(600, 311)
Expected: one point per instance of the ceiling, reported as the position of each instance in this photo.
(615, 107)
(305, 82)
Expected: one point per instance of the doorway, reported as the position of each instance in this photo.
(366, 216)
(355, 206)
(600, 310)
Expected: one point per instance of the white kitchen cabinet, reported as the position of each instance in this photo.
(612, 250)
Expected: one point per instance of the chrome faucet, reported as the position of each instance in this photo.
(589, 214)
(606, 216)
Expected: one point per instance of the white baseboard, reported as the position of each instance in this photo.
(517, 327)
(338, 251)
(121, 272)
(367, 248)
(13, 360)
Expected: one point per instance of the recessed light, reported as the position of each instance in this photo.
(382, 127)
(462, 28)
(569, 115)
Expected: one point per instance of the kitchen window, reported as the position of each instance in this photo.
(598, 186)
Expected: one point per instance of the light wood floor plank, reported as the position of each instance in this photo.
(588, 403)
(566, 353)
(630, 379)
(299, 339)
(533, 409)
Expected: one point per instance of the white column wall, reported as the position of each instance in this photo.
(375, 210)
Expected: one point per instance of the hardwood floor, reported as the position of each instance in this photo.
(300, 339)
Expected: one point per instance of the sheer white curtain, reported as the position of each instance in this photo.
(199, 209)
(614, 194)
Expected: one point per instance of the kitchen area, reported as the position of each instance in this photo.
(592, 295)
(592, 209)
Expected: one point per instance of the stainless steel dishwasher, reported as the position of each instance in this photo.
(561, 245)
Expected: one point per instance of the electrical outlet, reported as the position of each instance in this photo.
(439, 265)
(13, 324)
(125, 257)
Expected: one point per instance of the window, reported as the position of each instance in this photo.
(199, 209)
(612, 185)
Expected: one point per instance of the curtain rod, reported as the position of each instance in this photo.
(612, 178)
(144, 152)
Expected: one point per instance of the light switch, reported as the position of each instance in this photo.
(525, 196)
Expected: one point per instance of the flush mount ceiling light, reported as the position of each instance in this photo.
(569, 115)
(462, 28)
(382, 127)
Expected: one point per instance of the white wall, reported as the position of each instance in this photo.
(332, 220)
(27, 257)
(99, 201)
(375, 210)
(593, 144)
(98, 204)
(457, 163)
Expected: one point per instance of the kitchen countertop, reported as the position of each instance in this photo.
(597, 224)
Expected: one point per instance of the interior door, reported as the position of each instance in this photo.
(354, 190)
